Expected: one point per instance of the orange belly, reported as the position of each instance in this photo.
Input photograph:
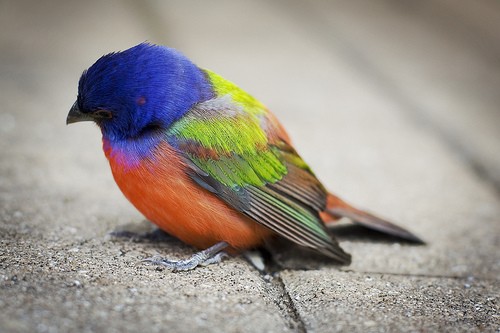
(165, 195)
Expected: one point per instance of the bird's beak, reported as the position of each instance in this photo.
(75, 115)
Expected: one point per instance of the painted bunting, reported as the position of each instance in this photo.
(204, 160)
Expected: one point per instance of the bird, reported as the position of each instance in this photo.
(206, 161)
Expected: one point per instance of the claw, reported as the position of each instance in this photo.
(212, 255)
(215, 259)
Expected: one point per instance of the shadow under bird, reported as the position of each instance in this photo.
(205, 161)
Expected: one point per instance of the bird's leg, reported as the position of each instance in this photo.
(209, 256)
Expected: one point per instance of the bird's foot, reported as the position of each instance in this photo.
(212, 255)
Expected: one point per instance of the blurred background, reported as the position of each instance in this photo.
(437, 63)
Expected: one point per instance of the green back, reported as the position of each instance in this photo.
(226, 144)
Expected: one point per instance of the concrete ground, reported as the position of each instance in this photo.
(395, 105)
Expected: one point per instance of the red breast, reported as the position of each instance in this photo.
(160, 189)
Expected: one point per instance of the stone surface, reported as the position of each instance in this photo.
(101, 286)
(354, 302)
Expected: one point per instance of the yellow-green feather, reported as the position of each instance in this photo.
(257, 169)
(224, 87)
(243, 155)
(232, 134)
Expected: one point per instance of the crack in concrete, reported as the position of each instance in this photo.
(288, 311)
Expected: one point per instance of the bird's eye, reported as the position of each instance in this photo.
(103, 114)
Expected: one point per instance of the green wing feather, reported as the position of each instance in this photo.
(226, 145)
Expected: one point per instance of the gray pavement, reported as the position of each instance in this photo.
(393, 104)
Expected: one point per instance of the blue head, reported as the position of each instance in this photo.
(146, 87)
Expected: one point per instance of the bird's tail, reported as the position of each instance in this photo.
(337, 208)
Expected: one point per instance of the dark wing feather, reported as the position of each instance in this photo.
(269, 183)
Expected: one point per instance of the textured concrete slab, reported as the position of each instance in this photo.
(101, 286)
(353, 302)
